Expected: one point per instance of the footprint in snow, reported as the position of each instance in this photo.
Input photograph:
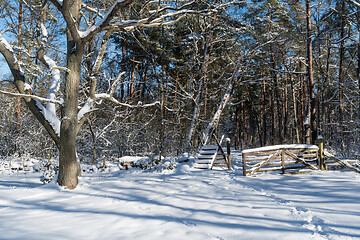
(301, 209)
(189, 224)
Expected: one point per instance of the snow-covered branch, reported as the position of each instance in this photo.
(116, 83)
(8, 52)
(32, 101)
(100, 25)
(30, 96)
(58, 3)
(356, 4)
(166, 15)
(89, 106)
(94, 10)
(150, 22)
(105, 96)
(55, 83)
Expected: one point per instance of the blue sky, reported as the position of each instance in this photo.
(4, 69)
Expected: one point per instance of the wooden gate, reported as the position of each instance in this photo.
(290, 158)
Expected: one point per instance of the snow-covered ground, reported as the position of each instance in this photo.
(183, 203)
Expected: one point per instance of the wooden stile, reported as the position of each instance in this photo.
(211, 156)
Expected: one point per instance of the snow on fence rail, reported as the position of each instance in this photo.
(282, 158)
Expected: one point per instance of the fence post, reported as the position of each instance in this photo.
(228, 152)
(282, 161)
(321, 152)
(244, 164)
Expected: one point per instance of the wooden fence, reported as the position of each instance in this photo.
(284, 158)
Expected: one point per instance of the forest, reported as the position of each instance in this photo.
(89, 80)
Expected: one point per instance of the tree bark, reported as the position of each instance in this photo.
(358, 59)
(237, 127)
(18, 100)
(296, 124)
(341, 63)
(69, 166)
(263, 114)
(277, 97)
(310, 76)
(244, 141)
(285, 108)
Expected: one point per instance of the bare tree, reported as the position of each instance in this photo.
(80, 33)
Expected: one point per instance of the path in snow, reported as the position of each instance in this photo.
(184, 204)
(327, 202)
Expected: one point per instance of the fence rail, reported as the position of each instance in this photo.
(284, 158)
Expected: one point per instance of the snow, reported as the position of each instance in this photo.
(183, 203)
(102, 95)
(28, 87)
(51, 117)
(44, 33)
(6, 44)
(9, 48)
(50, 111)
(88, 107)
(284, 146)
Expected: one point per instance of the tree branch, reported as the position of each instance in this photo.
(19, 80)
(30, 96)
(356, 4)
(114, 100)
(99, 26)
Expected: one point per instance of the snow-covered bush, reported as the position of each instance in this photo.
(156, 163)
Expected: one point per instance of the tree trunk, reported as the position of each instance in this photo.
(296, 124)
(341, 64)
(93, 136)
(216, 118)
(18, 100)
(68, 162)
(69, 166)
(244, 141)
(263, 113)
(324, 92)
(358, 60)
(277, 98)
(309, 58)
(196, 114)
(285, 109)
(237, 127)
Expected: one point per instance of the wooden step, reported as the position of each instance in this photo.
(209, 147)
(220, 162)
(205, 156)
(203, 161)
(212, 152)
(201, 166)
